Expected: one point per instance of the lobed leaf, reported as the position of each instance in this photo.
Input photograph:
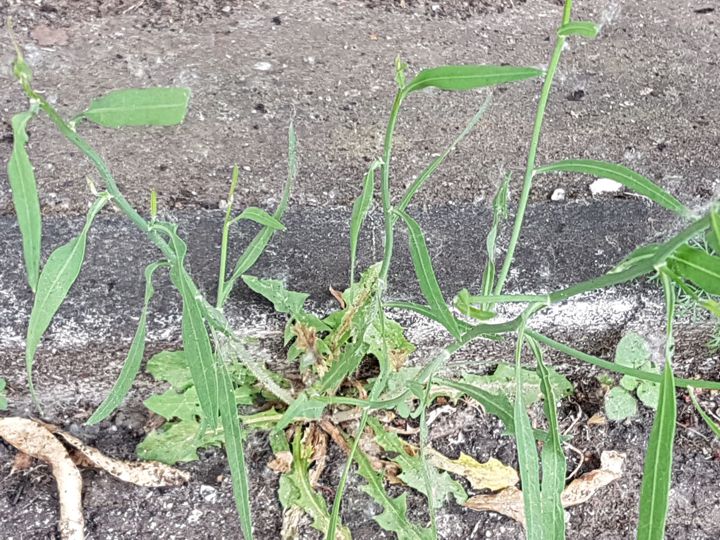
(426, 276)
(57, 277)
(24, 195)
(134, 357)
(468, 77)
(586, 29)
(305, 408)
(139, 107)
(554, 466)
(698, 266)
(629, 178)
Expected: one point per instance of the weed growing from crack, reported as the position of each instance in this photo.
(215, 372)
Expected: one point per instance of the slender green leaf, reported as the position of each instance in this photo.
(527, 456)
(714, 236)
(234, 441)
(500, 212)
(604, 364)
(57, 277)
(463, 302)
(467, 77)
(196, 342)
(25, 198)
(134, 357)
(425, 312)
(655, 488)
(258, 244)
(586, 29)
(361, 207)
(418, 183)
(698, 266)
(554, 466)
(139, 107)
(261, 217)
(426, 276)
(639, 256)
(3, 397)
(705, 416)
(630, 179)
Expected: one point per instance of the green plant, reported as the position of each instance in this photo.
(3, 397)
(633, 352)
(215, 372)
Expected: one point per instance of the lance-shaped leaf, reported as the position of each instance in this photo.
(467, 77)
(258, 244)
(714, 233)
(139, 107)
(361, 206)
(25, 198)
(698, 266)
(586, 29)
(554, 466)
(627, 177)
(196, 342)
(234, 441)
(303, 408)
(261, 217)
(426, 275)
(58, 275)
(705, 416)
(134, 357)
(657, 470)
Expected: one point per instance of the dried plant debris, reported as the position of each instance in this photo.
(45, 442)
(509, 501)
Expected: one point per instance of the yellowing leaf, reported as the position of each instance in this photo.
(493, 474)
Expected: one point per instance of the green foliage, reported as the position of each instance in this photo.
(628, 178)
(139, 107)
(57, 277)
(179, 439)
(586, 29)
(3, 396)
(633, 352)
(296, 490)
(134, 357)
(24, 195)
(469, 77)
(412, 467)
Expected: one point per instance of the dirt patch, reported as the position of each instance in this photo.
(634, 96)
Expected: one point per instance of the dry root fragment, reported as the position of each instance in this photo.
(140, 473)
(36, 441)
(509, 501)
(40, 441)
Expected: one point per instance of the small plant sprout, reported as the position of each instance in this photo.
(330, 399)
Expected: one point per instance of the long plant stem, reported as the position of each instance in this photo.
(532, 153)
(225, 239)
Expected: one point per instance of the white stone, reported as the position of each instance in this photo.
(605, 185)
(263, 66)
(558, 195)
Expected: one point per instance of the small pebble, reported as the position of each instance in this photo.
(605, 185)
(263, 66)
(208, 493)
(558, 195)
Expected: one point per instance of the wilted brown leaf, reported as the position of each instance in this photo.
(509, 501)
(282, 462)
(493, 474)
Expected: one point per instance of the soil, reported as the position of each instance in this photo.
(643, 94)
